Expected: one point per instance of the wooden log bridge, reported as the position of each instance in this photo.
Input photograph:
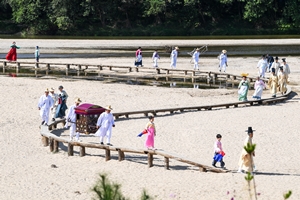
(83, 70)
(265, 101)
(52, 140)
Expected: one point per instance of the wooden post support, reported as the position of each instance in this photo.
(167, 71)
(136, 69)
(51, 145)
(70, 149)
(47, 68)
(67, 69)
(150, 160)
(129, 69)
(107, 154)
(55, 146)
(157, 70)
(110, 67)
(81, 151)
(45, 141)
(78, 70)
(36, 65)
(166, 163)
(86, 67)
(121, 155)
(4, 65)
(185, 72)
(18, 67)
(201, 169)
(235, 105)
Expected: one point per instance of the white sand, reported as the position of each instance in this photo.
(25, 163)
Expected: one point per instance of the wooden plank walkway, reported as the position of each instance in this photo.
(52, 140)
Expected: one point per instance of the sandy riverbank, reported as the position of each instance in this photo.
(25, 163)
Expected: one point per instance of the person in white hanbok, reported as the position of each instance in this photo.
(276, 65)
(196, 59)
(259, 86)
(286, 69)
(104, 124)
(54, 97)
(44, 105)
(71, 120)
(223, 61)
(155, 58)
(262, 66)
(174, 55)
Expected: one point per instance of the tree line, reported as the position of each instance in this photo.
(150, 17)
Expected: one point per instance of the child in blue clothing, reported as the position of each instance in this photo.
(218, 152)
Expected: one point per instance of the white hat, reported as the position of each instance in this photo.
(177, 48)
(224, 51)
(77, 100)
(108, 107)
(52, 90)
(46, 90)
(197, 49)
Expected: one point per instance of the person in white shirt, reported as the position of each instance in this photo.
(174, 55)
(155, 58)
(276, 65)
(286, 69)
(54, 97)
(104, 124)
(262, 66)
(71, 120)
(196, 59)
(223, 61)
(44, 105)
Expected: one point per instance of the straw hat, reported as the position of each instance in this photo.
(108, 107)
(197, 49)
(224, 51)
(244, 74)
(46, 90)
(52, 89)
(176, 48)
(77, 100)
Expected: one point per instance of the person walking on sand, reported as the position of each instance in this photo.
(44, 105)
(138, 57)
(282, 80)
(259, 86)
(243, 88)
(286, 69)
(270, 61)
(71, 121)
(174, 55)
(273, 83)
(62, 103)
(155, 58)
(196, 59)
(262, 66)
(218, 152)
(37, 54)
(105, 123)
(54, 97)
(223, 61)
(151, 132)
(246, 163)
(276, 65)
(12, 54)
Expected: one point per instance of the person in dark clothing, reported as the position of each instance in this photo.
(270, 61)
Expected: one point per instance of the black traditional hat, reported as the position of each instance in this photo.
(281, 67)
(273, 70)
(283, 59)
(218, 136)
(250, 130)
(276, 58)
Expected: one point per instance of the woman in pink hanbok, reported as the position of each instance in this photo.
(150, 127)
(259, 86)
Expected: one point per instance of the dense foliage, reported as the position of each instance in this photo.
(150, 17)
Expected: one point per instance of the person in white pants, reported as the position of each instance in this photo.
(262, 66)
(223, 61)
(196, 59)
(174, 55)
(44, 105)
(105, 123)
(55, 103)
(155, 58)
(71, 120)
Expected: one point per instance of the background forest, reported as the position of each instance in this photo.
(149, 17)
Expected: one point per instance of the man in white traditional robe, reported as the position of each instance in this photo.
(174, 55)
(155, 58)
(286, 69)
(196, 59)
(54, 97)
(44, 105)
(276, 66)
(246, 163)
(262, 66)
(104, 124)
(223, 61)
(71, 120)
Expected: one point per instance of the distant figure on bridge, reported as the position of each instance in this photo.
(71, 121)
(262, 66)
(273, 83)
(37, 54)
(173, 56)
(243, 88)
(286, 69)
(151, 132)
(218, 152)
(223, 61)
(44, 105)
(12, 54)
(276, 65)
(105, 123)
(155, 58)
(138, 57)
(196, 59)
(259, 86)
